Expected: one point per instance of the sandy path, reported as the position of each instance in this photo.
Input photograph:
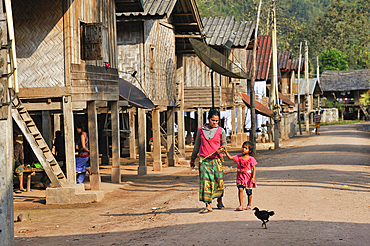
(318, 187)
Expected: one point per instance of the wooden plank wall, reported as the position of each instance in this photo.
(196, 97)
(90, 11)
(39, 40)
(239, 56)
(93, 83)
(135, 41)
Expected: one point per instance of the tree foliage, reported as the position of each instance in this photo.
(325, 24)
(333, 59)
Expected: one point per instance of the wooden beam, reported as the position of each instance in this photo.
(116, 166)
(43, 106)
(170, 137)
(187, 36)
(185, 51)
(44, 92)
(142, 170)
(95, 181)
(132, 135)
(186, 24)
(69, 138)
(157, 160)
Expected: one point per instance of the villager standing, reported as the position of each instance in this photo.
(209, 143)
(18, 160)
(317, 119)
(82, 159)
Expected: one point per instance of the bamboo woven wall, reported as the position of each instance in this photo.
(154, 60)
(39, 41)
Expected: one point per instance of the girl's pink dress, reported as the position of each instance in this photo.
(244, 172)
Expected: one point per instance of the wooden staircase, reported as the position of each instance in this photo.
(365, 111)
(38, 144)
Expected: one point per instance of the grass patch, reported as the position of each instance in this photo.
(341, 122)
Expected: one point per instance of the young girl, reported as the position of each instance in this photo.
(246, 173)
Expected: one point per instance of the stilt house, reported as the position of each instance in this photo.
(149, 46)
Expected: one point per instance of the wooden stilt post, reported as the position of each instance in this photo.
(95, 182)
(307, 106)
(233, 130)
(116, 164)
(157, 159)
(69, 137)
(239, 134)
(46, 128)
(170, 137)
(181, 131)
(56, 123)
(132, 134)
(200, 117)
(142, 170)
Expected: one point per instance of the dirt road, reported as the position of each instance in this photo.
(318, 186)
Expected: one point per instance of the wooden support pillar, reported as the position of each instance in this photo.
(69, 137)
(200, 117)
(181, 131)
(233, 130)
(188, 137)
(170, 136)
(46, 128)
(116, 164)
(142, 170)
(95, 182)
(56, 123)
(157, 159)
(239, 134)
(132, 134)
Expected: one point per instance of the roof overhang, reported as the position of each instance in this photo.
(260, 108)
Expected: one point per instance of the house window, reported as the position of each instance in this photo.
(151, 58)
(94, 41)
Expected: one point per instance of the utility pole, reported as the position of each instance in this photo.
(318, 81)
(307, 106)
(299, 89)
(274, 86)
(6, 127)
(252, 135)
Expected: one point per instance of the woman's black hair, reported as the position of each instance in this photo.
(213, 112)
(81, 126)
(250, 147)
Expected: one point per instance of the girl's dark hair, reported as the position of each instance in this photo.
(250, 146)
(81, 126)
(213, 112)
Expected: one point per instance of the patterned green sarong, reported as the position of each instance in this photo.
(211, 179)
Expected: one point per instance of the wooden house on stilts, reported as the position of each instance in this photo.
(67, 71)
(231, 39)
(150, 44)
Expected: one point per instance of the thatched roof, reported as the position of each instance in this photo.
(345, 80)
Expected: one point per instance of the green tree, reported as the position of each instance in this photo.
(333, 59)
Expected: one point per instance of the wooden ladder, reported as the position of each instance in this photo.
(38, 144)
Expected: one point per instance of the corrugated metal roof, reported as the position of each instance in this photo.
(345, 80)
(287, 62)
(263, 58)
(154, 7)
(219, 30)
(314, 86)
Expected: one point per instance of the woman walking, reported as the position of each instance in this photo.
(210, 142)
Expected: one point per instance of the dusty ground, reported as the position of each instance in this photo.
(318, 187)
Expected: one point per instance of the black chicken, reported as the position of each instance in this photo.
(263, 215)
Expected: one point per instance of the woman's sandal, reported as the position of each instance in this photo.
(205, 210)
(220, 206)
(240, 208)
(248, 208)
